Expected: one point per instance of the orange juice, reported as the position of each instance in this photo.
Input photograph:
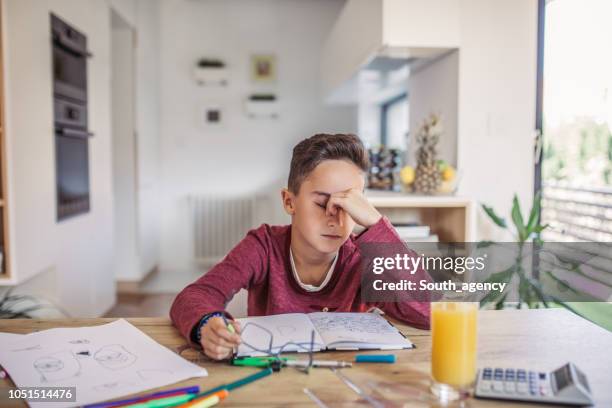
(453, 353)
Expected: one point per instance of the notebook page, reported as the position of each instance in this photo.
(282, 328)
(359, 330)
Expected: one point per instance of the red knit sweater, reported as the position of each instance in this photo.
(260, 263)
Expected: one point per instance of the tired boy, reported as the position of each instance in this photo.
(308, 266)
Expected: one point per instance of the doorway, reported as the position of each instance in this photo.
(124, 152)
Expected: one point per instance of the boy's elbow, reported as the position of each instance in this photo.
(421, 316)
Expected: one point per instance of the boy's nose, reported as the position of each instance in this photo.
(335, 220)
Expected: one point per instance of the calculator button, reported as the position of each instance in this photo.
(521, 388)
(498, 386)
(510, 387)
(509, 375)
(543, 391)
(484, 385)
(542, 376)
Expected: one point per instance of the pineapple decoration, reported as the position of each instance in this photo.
(428, 178)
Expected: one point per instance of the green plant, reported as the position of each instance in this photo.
(12, 306)
(529, 291)
(536, 277)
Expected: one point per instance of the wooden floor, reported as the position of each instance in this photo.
(142, 305)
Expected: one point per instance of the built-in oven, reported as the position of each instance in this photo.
(70, 119)
(72, 171)
(69, 60)
(71, 158)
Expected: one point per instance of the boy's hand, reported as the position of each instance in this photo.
(217, 341)
(355, 204)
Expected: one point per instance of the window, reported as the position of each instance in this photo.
(575, 118)
(394, 122)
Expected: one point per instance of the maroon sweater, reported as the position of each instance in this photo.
(260, 263)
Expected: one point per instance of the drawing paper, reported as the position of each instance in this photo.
(102, 362)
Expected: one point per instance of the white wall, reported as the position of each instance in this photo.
(136, 141)
(497, 84)
(422, 23)
(245, 155)
(433, 88)
(124, 146)
(71, 262)
(78, 250)
(148, 133)
(360, 25)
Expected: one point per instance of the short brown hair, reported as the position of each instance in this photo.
(310, 152)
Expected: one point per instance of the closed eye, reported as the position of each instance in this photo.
(324, 206)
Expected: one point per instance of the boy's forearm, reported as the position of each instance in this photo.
(188, 308)
(413, 310)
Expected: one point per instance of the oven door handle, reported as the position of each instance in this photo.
(83, 134)
(67, 44)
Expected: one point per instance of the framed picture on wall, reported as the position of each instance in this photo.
(263, 68)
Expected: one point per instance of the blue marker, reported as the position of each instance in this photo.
(375, 358)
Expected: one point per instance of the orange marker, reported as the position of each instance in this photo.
(206, 401)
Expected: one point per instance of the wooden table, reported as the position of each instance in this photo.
(539, 339)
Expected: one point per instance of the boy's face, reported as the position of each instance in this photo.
(322, 233)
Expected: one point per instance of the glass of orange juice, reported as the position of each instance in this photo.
(453, 351)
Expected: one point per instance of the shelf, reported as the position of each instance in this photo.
(450, 217)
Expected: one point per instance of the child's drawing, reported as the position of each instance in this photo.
(57, 366)
(29, 348)
(114, 357)
(83, 353)
(79, 341)
(153, 374)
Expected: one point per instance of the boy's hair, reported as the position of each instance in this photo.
(311, 151)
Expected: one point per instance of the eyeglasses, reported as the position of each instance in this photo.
(274, 352)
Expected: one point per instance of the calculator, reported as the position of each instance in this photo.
(566, 385)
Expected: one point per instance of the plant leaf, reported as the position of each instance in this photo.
(496, 218)
(484, 244)
(534, 215)
(517, 218)
(503, 276)
(500, 303)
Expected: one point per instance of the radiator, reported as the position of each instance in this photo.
(218, 225)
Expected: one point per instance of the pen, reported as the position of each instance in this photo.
(259, 361)
(288, 362)
(239, 383)
(163, 402)
(207, 401)
(230, 326)
(375, 358)
(162, 394)
(318, 363)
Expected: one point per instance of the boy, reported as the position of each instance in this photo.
(310, 265)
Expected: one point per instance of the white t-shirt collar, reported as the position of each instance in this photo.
(312, 288)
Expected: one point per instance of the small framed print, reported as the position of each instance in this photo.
(263, 68)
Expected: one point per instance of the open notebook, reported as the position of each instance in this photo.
(332, 331)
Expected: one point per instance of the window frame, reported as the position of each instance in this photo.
(384, 109)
